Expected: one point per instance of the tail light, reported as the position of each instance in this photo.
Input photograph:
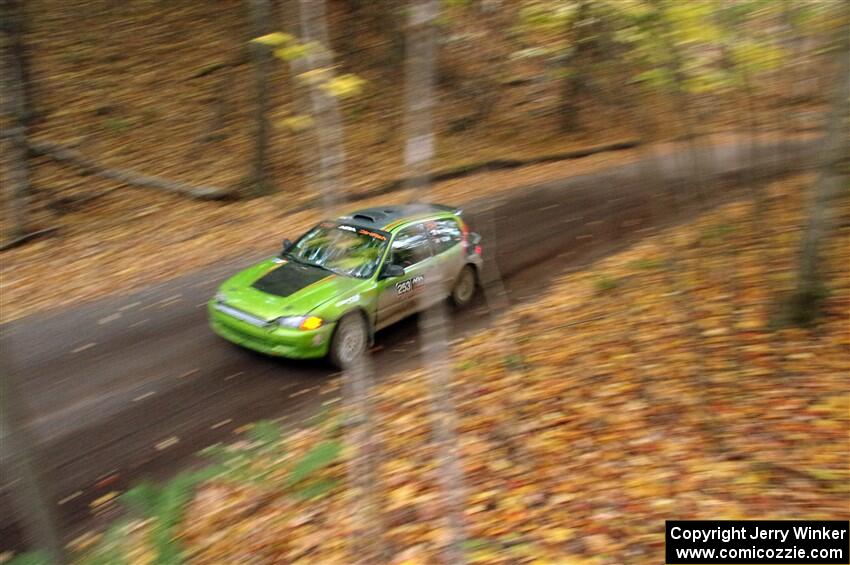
(475, 242)
(464, 238)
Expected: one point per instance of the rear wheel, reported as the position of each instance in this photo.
(464, 287)
(349, 341)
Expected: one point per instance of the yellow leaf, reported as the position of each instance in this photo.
(558, 535)
(403, 494)
(298, 122)
(290, 52)
(315, 76)
(500, 465)
(275, 39)
(344, 86)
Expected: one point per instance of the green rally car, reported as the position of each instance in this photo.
(327, 293)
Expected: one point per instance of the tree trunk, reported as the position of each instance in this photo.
(366, 544)
(260, 19)
(13, 24)
(419, 95)
(215, 130)
(30, 494)
(833, 175)
(419, 150)
(573, 82)
(305, 137)
(326, 116)
(683, 105)
(14, 88)
(480, 89)
(16, 181)
(349, 42)
(385, 13)
(366, 525)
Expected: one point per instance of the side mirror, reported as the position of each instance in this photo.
(287, 245)
(391, 270)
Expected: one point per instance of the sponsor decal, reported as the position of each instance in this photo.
(372, 234)
(410, 285)
(361, 231)
(349, 300)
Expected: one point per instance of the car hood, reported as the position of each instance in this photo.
(277, 287)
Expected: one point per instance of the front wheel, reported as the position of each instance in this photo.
(349, 341)
(464, 287)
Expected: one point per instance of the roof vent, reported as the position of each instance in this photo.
(363, 217)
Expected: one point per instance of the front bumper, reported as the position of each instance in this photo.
(281, 342)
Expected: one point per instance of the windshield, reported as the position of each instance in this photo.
(346, 250)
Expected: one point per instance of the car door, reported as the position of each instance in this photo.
(449, 255)
(399, 296)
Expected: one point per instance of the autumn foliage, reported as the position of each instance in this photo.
(611, 410)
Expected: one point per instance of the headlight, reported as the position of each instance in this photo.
(219, 297)
(290, 321)
(300, 322)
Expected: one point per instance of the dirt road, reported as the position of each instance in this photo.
(133, 386)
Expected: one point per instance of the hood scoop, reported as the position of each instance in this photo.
(289, 278)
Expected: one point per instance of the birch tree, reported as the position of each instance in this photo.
(358, 379)
(419, 149)
(315, 68)
(326, 116)
(299, 123)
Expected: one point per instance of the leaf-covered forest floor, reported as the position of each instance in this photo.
(142, 85)
(651, 385)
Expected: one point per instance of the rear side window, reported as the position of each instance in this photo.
(410, 246)
(444, 233)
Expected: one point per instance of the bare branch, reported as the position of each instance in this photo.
(27, 237)
(63, 154)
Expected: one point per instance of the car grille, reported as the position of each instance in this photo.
(240, 315)
(244, 338)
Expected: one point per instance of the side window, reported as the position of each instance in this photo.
(445, 234)
(410, 246)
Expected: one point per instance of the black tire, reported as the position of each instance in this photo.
(350, 340)
(464, 288)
